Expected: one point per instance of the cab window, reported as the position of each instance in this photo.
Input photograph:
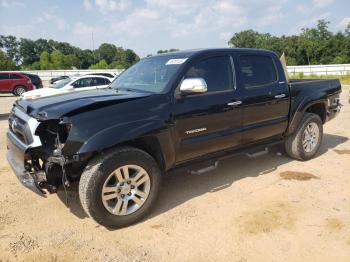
(257, 71)
(216, 71)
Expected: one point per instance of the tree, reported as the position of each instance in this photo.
(6, 63)
(125, 57)
(11, 47)
(315, 45)
(44, 63)
(57, 60)
(70, 61)
(27, 52)
(245, 39)
(115, 65)
(42, 45)
(102, 64)
(107, 52)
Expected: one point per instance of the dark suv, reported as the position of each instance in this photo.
(15, 83)
(36, 80)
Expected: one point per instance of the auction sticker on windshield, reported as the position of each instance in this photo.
(177, 61)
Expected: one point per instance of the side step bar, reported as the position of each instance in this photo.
(199, 169)
(205, 169)
(257, 153)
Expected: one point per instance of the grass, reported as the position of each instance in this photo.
(344, 79)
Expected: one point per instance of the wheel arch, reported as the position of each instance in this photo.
(317, 107)
(149, 144)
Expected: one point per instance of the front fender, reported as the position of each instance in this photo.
(120, 133)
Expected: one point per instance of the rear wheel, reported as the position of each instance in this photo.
(119, 188)
(19, 90)
(306, 140)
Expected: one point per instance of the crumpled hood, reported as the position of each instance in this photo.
(56, 106)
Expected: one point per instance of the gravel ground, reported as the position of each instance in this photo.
(270, 208)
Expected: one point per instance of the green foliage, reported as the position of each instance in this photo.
(102, 64)
(50, 54)
(312, 46)
(116, 65)
(107, 52)
(6, 63)
(44, 63)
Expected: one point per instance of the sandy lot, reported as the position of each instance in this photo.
(266, 209)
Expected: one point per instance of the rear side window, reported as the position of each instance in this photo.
(15, 76)
(257, 70)
(216, 71)
(83, 82)
(101, 81)
(4, 76)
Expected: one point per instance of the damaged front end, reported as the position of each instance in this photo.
(35, 152)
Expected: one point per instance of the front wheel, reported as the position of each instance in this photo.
(119, 188)
(19, 90)
(306, 140)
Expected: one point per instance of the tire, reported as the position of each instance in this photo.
(294, 143)
(100, 171)
(19, 90)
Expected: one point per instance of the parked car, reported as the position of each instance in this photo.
(15, 83)
(36, 80)
(181, 110)
(56, 79)
(109, 75)
(69, 85)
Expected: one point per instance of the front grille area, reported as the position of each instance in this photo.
(20, 128)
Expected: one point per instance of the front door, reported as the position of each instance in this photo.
(208, 122)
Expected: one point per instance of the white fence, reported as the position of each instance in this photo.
(338, 69)
(48, 74)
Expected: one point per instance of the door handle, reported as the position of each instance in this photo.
(280, 96)
(236, 103)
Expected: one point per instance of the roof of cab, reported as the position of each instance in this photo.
(192, 52)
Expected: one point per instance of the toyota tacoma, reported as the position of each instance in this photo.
(185, 109)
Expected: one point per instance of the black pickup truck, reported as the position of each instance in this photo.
(185, 109)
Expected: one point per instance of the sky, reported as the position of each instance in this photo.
(150, 25)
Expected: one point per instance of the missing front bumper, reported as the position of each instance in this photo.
(15, 157)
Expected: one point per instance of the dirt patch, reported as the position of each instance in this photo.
(156, 226)
(300, 176)
(6, 220)
(342, 151)
(279, 215)
(334, 224)
(59, 256)
(25, 244)
(5, 169)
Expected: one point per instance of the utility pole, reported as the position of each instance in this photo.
(93, 46)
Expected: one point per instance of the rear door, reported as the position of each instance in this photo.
(102, 82)
(85, 83)
(208, 122)
(5, 84)
(266, 97)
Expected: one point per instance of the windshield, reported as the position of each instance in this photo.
(149, 75)
(62, 83)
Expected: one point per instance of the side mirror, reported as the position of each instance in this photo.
(70, 87)
(193, 86)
